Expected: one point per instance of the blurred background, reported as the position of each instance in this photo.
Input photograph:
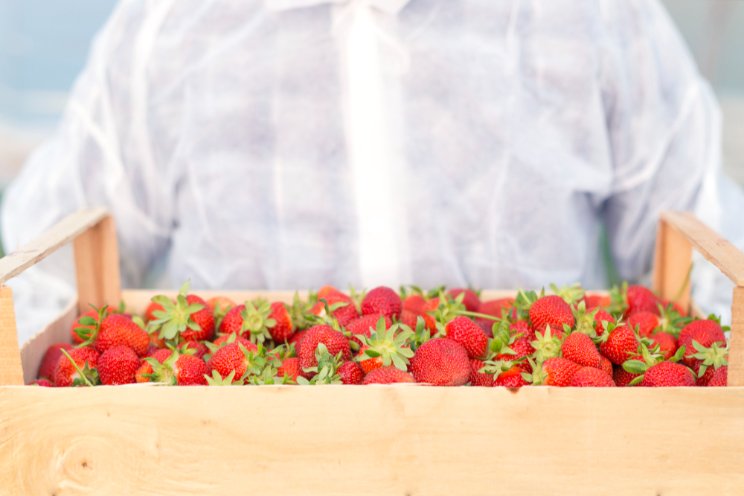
(43, 45)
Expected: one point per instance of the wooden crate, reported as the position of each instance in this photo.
(339, 440)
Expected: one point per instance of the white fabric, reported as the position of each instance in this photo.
(227, 140)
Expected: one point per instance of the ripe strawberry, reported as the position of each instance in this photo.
(553, 311)
(704, 332)
(605, 365)
(591, 377)
(41, 382)
(414, 303)
(145, 369)
(470, 299)
(441, 362)
(152, 307)
(255, 320)
(523, 329)
(118, 329)
(346, 311)
(118, 365)
(553, 372)
(220, 305)
(180, 369)
(511, 378)
(666, 374)
(365, 324)
(593, 301)
(643, 322)
(290, 368)
(232, 357)
(387, 375)
(499, 307)
(408, 318)
(622, 377)
(187, 318)
(282, 331)
(385, 347)
(719, 377)
(580, 348)
(50, 359)
(76, 368)
(707, 360)
(599, 319)
(522, 349)
(666, 342)
(351, 373)
(621, 344)
(84, 326)
(478, 378)
(198, 348)
(333, 340)
(640, 298)
(382, 300)
(469, 335)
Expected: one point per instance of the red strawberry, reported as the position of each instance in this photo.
(640, 298)
(198, 347)
(283, 329)
(620, 345)
(520, 327)
(554, 372)
(351, 373)
(255, 320)
(232, 357)
(382, 300)
(50, 359)
(469, 335)
(145, 369)
(593, 301)
(187, 318)
(67, 374)
(511, 378)
(290, 367)
(414, 303)
(478, 378)
(387, 375)
(332, 296)
(333, 340)
(704, 332)
(605, 365)
(708, 359)
(591, 377)
(180, 369)
(41, 382)
(203, 318)
(622, 377)
(644, 322)
(522, 349)
(151, 309)
(666, 342)
(220, 304)
(553, 311)
(118, 329)
(118, 365)
(497, 308)
(599, 318)
(408, 318)
(666, 374)
(77, 326)
(365, 324)
(470, 298)
(441, 362)
(579, 348)
(228, 338)
(719, 378)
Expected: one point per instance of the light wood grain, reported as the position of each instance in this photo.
(736, 341)
(61, 234)
(672, 263)
(10, 357)
(97, 265)
(717, 250)
(340, 440)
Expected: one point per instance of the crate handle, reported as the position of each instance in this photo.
(93, 233)
(678, 234)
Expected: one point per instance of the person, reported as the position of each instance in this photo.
(296, 143)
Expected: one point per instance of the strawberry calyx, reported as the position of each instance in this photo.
(90, 327)
(585, 319)
(648, 358)
(538, 376)
(546, 345)
(217, 380)
(326, 371)
(571, 294)
(175, 317)
(257, 321)
(390, 345)
(301, 311)
(715, 356)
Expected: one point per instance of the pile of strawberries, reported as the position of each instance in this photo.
(444, 338)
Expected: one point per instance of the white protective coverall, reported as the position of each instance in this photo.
(293, 143)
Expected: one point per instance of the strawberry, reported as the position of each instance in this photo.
(546, 345)
(387, 375)
(719, 377)
(363, 326)
(341, 304)
(255, 320)
(523, 329)
(118, 329)
(41, 382)
(76, 367)
(553, 372)
(351, 373)
(333, 340)
(522, 349)
(707, 360)
(643, 322)
(290, 368)
(499, 307)
(579, 348)
(233, 357)
(382, 300)
(621, 344)
(478, 378)
(599, 321)
(469, 335)
(666, 342)
(50, 359)
(511, 377)
(640, 298)
(233, 338)
(605, 364)
(591, 377)
(118, 365)
(704, 332)
(282, 330)
(441, 362)
(470, 298)
(551, 311)
(385, 347)
(593, 301)
(666, 374)
(145, 369)
(408, 318)
(220, 305)
(188, 318)
(198, 348)
(414, 303)
(180, 369)
(622, 377)
(84, 326)
(152, 307)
